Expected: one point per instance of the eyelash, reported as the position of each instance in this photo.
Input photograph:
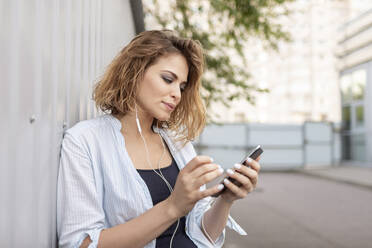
(169, 81)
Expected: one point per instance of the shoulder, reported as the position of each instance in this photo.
(94, 128)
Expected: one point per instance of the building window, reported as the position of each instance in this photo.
(346, 117)
(353, 86)
(359, 118)
(358, 84)
(346, 92)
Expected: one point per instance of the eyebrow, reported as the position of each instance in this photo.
(174, 75)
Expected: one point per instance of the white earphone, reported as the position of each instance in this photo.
(138, 124)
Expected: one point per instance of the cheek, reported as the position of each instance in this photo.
(156, 89)
(151, 92)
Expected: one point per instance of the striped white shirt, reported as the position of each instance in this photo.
(98, 186)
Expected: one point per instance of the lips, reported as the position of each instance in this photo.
(169, 105)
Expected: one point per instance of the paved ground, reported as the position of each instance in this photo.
(297, 210)
(354, 175)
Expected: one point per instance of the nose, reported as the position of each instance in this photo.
(176, 93)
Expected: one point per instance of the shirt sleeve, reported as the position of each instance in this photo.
(79, 210)
(194, 226)
(194, 218)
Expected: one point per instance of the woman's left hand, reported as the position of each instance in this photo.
(246, 176)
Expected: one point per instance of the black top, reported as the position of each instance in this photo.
(159, 192)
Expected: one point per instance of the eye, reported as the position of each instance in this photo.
(183, 87)
(167, 79)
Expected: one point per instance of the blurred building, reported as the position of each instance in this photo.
(355, 67)
(303, 76)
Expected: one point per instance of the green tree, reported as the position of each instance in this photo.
(223, 27)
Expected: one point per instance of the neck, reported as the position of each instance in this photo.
(129, 123)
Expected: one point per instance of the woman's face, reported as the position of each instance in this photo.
(160, 91)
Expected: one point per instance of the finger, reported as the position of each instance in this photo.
(205, 168)
(239, 192)
(207, 177)
(195, 162)
(211, 191)
(245, 181)
(248, 172)
(253, 164)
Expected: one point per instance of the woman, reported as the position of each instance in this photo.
(131, 178)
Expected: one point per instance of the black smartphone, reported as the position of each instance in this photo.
(253, 155)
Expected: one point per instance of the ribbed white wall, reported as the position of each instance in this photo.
(51, 53)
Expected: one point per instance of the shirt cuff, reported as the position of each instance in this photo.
(194, 227)
(231, 223)
(94, 237)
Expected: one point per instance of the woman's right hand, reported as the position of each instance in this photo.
(186, 192)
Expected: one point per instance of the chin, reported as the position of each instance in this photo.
(163, 117)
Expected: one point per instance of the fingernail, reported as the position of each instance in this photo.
(249, 160)
(237, 166)
(230, 171)
(220, 186)
(212, 160)
(226, 181)
(220, 170)
(201, 189)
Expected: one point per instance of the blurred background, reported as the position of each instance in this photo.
(294, 76)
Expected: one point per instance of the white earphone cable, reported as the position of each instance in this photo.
(151, 167)
(178, 220)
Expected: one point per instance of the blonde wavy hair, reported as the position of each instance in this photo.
(115, 92)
